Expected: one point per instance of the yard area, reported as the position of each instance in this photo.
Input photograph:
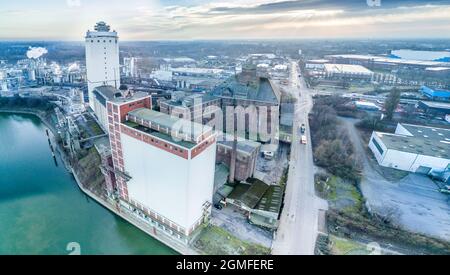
(342, 246)
(214, 240)
(340, 194)
(411, 201)
(233, 221)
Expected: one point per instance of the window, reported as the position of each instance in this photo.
(375, 142)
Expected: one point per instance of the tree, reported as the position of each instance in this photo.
(391, 103)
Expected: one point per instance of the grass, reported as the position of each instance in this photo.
(89, 172)
(342, 246)
(214, 240)
(341, 194)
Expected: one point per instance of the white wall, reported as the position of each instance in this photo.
(429, 161)
(201, 182)
(404, 160)
(159, 179)
(102, 114)
(102, 62)
(374, 149)
(399, 160)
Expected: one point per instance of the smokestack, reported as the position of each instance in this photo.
(233, 158)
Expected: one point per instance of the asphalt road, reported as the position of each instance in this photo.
(297, 232)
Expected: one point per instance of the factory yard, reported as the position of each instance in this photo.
(414, 202)
(215, 240)
(411, 200)
(235, 222)
(271, 171)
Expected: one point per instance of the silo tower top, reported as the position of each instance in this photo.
(102, 27)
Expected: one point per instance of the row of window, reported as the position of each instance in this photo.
(104, 41)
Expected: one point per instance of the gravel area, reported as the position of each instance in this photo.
(414, 201)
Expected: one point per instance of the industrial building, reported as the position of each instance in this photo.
(345, 71)
(435, 94)
(438, 56)
(383, 62)
(246, 155)
(259, 201)
(366, 105)
(413, 148)
(434, 108)
(164, 166)
(247, 89)
(198, 79)
(195, 107)
(102, 59)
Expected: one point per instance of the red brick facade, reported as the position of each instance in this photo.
(116, 115)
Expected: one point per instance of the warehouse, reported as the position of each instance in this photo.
(413, 148)
(345, 71)
(435, 94)
(434, 108)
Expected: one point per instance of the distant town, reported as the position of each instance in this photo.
(249, 147)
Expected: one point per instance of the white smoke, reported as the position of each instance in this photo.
(73, 67)
(36, 52)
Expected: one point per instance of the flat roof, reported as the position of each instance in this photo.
(428, 141)
(102, 145)
(114, 95)
(383, 59)
(243, 145)
(318, 61)
(182, 126)
(271, 201)
(182, 143)
(434, 104)
(345, 68)
(437, 69)
(190, 100)
(421, 55)
(197, 70)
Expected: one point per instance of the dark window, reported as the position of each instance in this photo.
(378, 146)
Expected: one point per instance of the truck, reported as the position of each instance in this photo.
(303, 139)
(302, 128)
(268, 155)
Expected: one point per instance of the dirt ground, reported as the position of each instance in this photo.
(233, 221)
(271, 171)
(214, 240)
(413, 200)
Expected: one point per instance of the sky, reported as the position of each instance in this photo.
(225, 19)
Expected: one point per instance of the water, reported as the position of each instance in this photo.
(42, 209)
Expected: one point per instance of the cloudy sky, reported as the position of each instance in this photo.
(226, 19)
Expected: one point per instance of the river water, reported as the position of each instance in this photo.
(42, 210)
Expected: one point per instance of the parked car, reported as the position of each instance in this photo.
(303, 140)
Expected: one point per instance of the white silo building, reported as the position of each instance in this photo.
(102, 59)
